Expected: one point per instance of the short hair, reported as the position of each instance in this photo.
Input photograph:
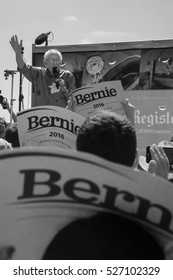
(3, 122)
(110, 136)
(104, 236)
(50, 52)
(11, 135)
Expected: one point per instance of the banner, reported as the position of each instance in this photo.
(48, 126)
(145, 70)
(153, 117)
(43, 190)
(100, 96)
(93, 63)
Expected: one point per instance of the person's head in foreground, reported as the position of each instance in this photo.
(11, 135)
(103, 237)
(110, 136)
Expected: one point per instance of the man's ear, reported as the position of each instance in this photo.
(45, 63)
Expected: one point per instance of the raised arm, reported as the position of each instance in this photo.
(129, 110)
(17, 47)
(5, 105)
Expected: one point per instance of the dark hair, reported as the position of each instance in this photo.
(110, 136)
(3, 126)
(3, 122)
(11, 135)
(103, 237)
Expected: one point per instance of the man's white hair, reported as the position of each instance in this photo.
(50, 52)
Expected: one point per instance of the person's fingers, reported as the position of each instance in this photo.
(154, 154)
(129, 110)
(164, 156)
(61, 82)
(16, 39)
(13, 40)
(152, 167)
(159, 155)
(161, 160)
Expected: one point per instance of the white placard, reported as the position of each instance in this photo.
(100, 96)
(42, 190)
(48, 126)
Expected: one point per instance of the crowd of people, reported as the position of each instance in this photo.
(107, 135)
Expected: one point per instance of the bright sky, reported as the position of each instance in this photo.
(74, 22)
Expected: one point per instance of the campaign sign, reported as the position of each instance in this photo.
(48, 126)
(86, 100)
(43, 190)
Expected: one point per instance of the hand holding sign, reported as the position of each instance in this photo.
(129, 110)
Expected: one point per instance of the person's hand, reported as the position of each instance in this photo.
(5, 104)
(61, 84)
(70, 104)
(159, 165)
(16, 45)
(129, 110)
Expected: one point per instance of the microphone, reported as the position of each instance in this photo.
(41, 38)
(55, 70)
(56, 74)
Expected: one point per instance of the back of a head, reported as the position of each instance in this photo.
(110, 136)
(11, 135)
(103, 237)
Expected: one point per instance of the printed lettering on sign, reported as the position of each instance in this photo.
(46, 189)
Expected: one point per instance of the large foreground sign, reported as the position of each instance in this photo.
(42, 190)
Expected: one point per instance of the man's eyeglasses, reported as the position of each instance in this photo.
(55, 60)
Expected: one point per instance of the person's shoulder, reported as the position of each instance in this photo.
(36, 68)
(40, 68)
(65, 72)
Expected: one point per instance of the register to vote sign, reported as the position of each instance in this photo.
(48, 126)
